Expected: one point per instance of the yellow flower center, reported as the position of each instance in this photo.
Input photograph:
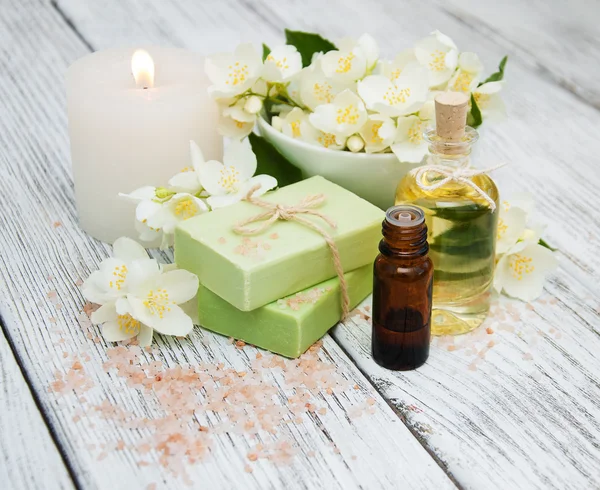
(347, 115)
(296, 129)
(481, 99)
(158, 302)
(415, 133)
(229, 179)
(238, 74)
(463, 82)
(394, 95)
(186, 208)
(395, 74)
(322, 92)
(186, 169)
(326, 139)
(375, 138)
(119, 276)
(502, 227)
(128, 324)
(345, 63)
(519, 265)
(438, 61)
(282, 63)
(506, 205)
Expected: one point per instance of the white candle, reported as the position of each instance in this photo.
(125, 136)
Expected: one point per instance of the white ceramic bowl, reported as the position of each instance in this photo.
(373, 177)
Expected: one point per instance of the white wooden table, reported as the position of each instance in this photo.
(515, 408)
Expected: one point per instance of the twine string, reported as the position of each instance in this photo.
(275, 212)
(460, 174)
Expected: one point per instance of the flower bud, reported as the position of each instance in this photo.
(355, 143)
(163, 193)
(253, 104)
(277, 123)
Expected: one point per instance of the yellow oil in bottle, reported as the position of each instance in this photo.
(462, 237)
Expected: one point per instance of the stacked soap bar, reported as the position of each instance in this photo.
(278, 289)
(252, 271)
(288, 326)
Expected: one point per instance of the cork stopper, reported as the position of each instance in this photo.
(451, 115)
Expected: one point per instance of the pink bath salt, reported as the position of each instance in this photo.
(222, 240)
(528, 356)
(274, 236)
(151, 486)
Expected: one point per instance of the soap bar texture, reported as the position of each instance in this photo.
(252, 271)
(290, 325)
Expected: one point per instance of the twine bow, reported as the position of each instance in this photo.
(275, 212)
(460, 174)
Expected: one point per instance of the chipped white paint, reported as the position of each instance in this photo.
(28, 456)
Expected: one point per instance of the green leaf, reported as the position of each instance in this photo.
(308, 44)
(499, 75)
(266, 51)
(465, 213)
(474, 118)
(544, 243)
(273, 163)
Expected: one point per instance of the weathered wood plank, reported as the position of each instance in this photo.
(558, 40)
(43, 255)
(513, 420)
(28, 456)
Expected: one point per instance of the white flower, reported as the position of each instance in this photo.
(366, 45)
(295, 124)
(511, 226)
(410, 146)
(233, 74)
(230, 181)
(345, 116)
(489, 102)
(281, 63)
(523, 200)
(167, 215)
(233, 128)
(378, 133)
(522, 270)
(344, 66)
(187, 180)
(400, 97)
(321, 138)
(111, 280)
(151, 303)
(316, 89)
(393, 69)
(438, 53)
(468, 74)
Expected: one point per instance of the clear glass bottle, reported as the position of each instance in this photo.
(402, 287)
(461, 231)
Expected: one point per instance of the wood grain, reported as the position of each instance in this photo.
(44, 254)
(558, 40)
(28, 456)
(526, 414)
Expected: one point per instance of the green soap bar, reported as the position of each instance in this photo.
(252, 271)
(288, 326)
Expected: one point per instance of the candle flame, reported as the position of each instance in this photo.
(142, 67)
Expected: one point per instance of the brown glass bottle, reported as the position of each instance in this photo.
(402, 288)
